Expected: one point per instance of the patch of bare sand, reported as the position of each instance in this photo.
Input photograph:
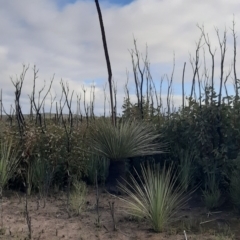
(53, 222)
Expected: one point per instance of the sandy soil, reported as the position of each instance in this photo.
(53, 221)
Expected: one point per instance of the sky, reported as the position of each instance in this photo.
(63, 38)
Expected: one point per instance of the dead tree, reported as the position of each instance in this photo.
(183, 92)
(18, 90)
(38, 106)
(222, 45)
(234, 60)
(1, 106)
(212, 53)
(107, 59)
(195, 66)
(68, 127)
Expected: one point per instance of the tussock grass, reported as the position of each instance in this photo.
(156, 197)
(78, 196)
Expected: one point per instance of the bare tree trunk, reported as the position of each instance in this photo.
(142, 72)
(234, 59)
(222, 45)
(206, 38)
(169, 92)
(183, 93)
(18, 110)
(195, 69)
(226, 78)
(117, 174)
(135, 78)
(1, 106)
(107, 59)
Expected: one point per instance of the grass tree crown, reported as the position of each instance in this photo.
(126, 139)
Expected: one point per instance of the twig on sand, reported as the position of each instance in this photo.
(185, 235)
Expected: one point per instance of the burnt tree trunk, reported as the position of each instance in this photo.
(107, 59)
(117, 174)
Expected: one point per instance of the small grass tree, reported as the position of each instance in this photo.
(155, 196)
(117, 143)
(9, 161)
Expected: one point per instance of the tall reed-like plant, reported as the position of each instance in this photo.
(234, 189)
(156, 197)
(78, 196)
(42, 176)
(212, 194)
(186, 169)
(99, 164)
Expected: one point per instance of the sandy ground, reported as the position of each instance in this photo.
(53, 221)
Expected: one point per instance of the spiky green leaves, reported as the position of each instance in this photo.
(126, 139)
(9, 160)
(157, 196)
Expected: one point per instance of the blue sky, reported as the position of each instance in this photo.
(63, 37)
(63, 3)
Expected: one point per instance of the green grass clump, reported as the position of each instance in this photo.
(78, 196)
(156, 197)
(212, 196)
(9, 161)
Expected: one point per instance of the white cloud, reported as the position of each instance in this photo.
(68, 42)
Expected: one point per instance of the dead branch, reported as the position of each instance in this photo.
(222, 45)
(18, 90)
(212, 53)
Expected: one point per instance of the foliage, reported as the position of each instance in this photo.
(49, 150)
(127, 139)
(212, 194)
(186, 166)
(208, 121)
(9, 160)
(234, 189)
(157, 197)
(78, 196)
(42, 175)
(97, 164)
(131, 110)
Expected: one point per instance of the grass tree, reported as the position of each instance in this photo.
(118, 143)
(9, 161)
(155, 196)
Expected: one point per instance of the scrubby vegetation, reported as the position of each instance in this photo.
(159, 153)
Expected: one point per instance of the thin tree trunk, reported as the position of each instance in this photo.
(107, 59)
(117, 174)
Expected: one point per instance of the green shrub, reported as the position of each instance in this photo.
(212, 196)
(186, 159)
(9, 160)
(97, 164)
(42, 175)
(157, 197)
(234, 189)
(78, 196)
